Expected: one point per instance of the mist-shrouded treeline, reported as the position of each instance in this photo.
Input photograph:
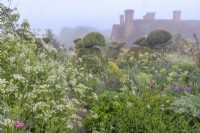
(68, 35)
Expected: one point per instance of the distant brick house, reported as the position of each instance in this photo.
(130, 29)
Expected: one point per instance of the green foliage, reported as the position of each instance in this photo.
(194, 78)
(158, 37)
(188, 105)
(51, 90)
(138, 50)
(139, 40)
(34, 86)
(25, 25)
(196, 56)
(142, 41)
(142, 80)
(114, 50)
(112, 53)
(91, 59)
(93, 39)
(120, 112)
(117, 45)
(78, 43)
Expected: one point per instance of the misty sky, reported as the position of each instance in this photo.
(101, 14)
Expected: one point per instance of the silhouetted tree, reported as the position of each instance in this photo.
(51, 38)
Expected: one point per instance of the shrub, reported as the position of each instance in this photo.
(91, 59)
(138, 50)
(93, 39)
(188, 105)
(114, 50)
(34, 86)
(158, 37)
(120, 112)
(141, 41)
(78, 43)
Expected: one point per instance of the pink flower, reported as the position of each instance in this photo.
(19, 124)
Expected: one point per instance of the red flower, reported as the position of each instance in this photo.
(152, 85)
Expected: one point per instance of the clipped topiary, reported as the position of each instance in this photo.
(112, 53)
(92, 59)
(144, 43)
(89, 51)
(114, 49)
(93, 39)
(119, 46)
(139, 40)
(78, 43)
(158, 37)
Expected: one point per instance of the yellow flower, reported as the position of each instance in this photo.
(140, 56)
(174, 68)
(131, 59)
(114, 68)
(146, 55)
(172, 74)
(163, 71)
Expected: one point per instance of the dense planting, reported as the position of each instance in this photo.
(44, 88)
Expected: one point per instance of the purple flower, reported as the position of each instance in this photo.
(19, 124)
(188, 89)
(175, 85)
(181, 89)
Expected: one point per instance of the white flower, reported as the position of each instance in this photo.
(70, 125)
(12, 59)
(19, 77)
(3, 82)
(133, 92)
(129, 104)
(94, 95)
(6, 122)
(27, 68)
(95, 116)
(90, 76)
(148, 106)
(80, 59)
(95, 132)
(52, 79)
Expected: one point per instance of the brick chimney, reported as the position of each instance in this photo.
(128, 22)
(121, 19)
(176, 16)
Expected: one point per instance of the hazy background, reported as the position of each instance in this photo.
(65, 16)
